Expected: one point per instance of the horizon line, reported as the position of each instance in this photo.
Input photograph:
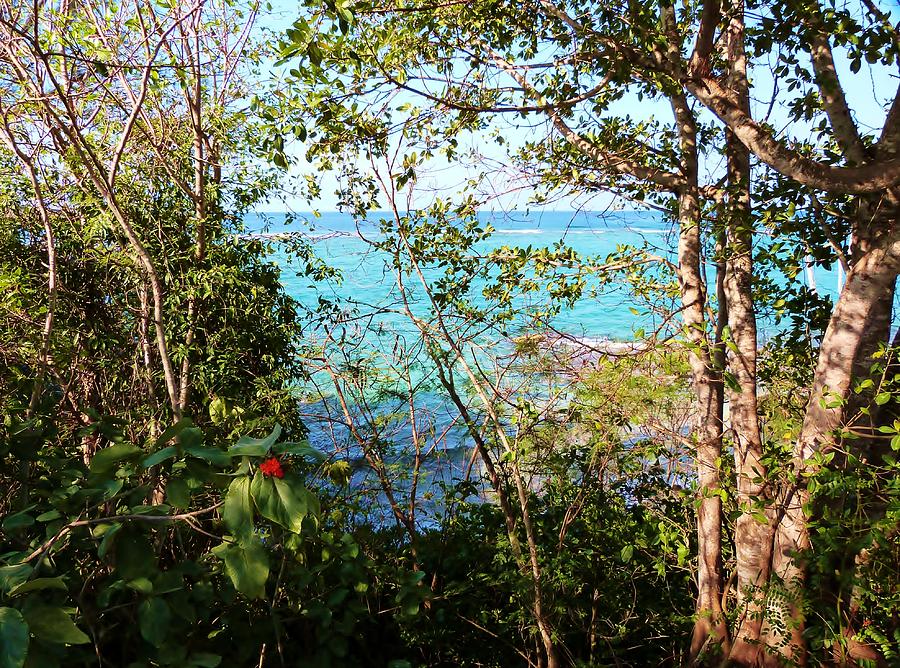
(576, 211)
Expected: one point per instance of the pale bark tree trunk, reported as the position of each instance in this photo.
(752, 537)
(873, 216)
(706, 377)
(752, 531)
(869, 283)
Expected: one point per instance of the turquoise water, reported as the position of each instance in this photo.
(372, 326)
(610, 312)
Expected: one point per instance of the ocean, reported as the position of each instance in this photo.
(376, 335)
(608, 313)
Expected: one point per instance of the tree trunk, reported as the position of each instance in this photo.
(707, 384)
(869, 284)
(752, 537)
(873, 216)
(752, 531)
(706, 377)
(194, 98)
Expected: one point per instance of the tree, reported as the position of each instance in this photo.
(569, 64)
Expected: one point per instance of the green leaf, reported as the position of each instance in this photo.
(237, 510)
(154, 619)
(732, 382)
(52, 624)
(882, 398)
(276, 501)
(38, 584)
(159, 456)
(190, 437)
(18, 520)
(107, 458)
(314, 53)
(255, 447)
(141, 585)
(108, 532)
(218, 411)
(345, 14)
(213, 455)
(173, 431)
(13, 638)
(178, 494)
(247, 565)
(340, 472)
(301, 449)
(168, 581)
(49, 516)
(410, 606)
(12, 576)
(627, 553)
(135, 557)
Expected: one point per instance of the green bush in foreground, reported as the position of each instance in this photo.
(232, 560)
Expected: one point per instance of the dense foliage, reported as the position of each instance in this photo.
(198, 468)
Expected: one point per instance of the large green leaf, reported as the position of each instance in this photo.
(214, 456)
(135, 557)
(107, 533)
(255, 447)
(53, 624)
(159, 456)
(276, 501)
(178, 493)
(173, 431)
(13, 638)
(13, 576)
(218, 410)
(18, 520)
(247, 564)
(237, 510)
(301, 449)
(38, 584)
(154, 619)
(190, 438)
(107, 458)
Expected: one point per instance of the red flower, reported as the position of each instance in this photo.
(272, 467)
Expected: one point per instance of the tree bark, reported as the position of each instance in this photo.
(869, 283)
(706, 377)
(752, 530)
(752, 534)
(194, 99)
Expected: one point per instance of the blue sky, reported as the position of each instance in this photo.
(868, 92)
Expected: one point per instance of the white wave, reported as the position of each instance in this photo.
(311, 236)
